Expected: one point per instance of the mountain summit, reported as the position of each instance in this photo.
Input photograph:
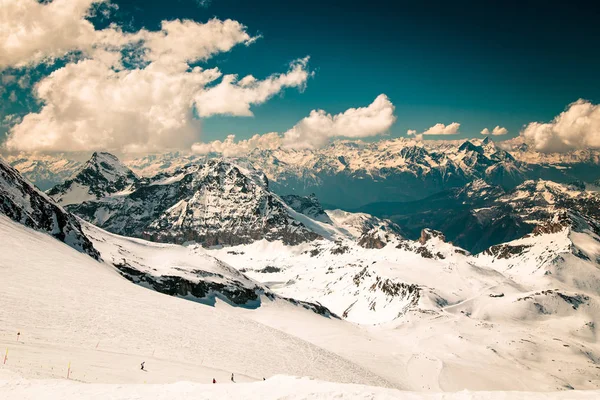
(217, 203)
(102, 175)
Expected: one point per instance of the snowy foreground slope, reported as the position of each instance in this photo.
(279, 387)
(70, 308)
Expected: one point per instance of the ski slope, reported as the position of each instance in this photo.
(72, 309)
(278, 387)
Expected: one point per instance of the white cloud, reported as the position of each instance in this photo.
(313, 131)
(31, 32)
(578, 127)
(230, 148)
(316, 129)
(235, 97)
(88, 106)
(437, 129)
(441, 129)
(97, 103)
(188, 41)
(497, 131)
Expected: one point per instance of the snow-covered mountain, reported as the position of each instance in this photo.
(101, 176)
(351, 174)
(432, 315)
(186, 272)
(480, 215)
(45, 170)
(214, 204)
(168, 269)
(307, 205)
(24, 203)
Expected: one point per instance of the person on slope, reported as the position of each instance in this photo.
(142, 365)
(214, 380)
(232, 380)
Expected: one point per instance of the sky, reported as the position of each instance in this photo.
(446, 70)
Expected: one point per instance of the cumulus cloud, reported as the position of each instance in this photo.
(90, 106)
(316, 129)
(441, 129)
(497, 131)
(437, 129)
(235, 97)
(188, 41)
(313, 131)
(578, 127)
(31, 32)
(230, 148)
(129, 92)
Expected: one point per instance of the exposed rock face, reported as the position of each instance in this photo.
(378, 237)
(505, 251)
(307, 205)
(216, 203)
(427, 234)
(102, 175)
(380, 292)
(234, 291)
(480, 215)
(23, 203)
(207, 286)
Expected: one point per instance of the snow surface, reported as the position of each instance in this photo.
(418, 316)
(278, 387)
(72, 309)
(475, 324)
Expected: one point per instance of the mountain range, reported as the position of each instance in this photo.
(499, 271)
(350, 174)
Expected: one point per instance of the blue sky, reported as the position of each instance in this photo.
(477, 63)
(481, 64)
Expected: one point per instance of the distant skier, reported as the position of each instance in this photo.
(232, 380)
(143, 362)
(214, 380)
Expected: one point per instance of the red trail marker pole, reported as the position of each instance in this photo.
(6, 356)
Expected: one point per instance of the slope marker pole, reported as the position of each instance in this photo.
(69, 370)
(6, 356)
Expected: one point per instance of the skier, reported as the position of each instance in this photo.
(143, 362)
(214, 380)
(232, 378)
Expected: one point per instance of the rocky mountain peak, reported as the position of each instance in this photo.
(215, 203)
(468, 146)
(103, 174)
(428, 234)
(24, 203)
